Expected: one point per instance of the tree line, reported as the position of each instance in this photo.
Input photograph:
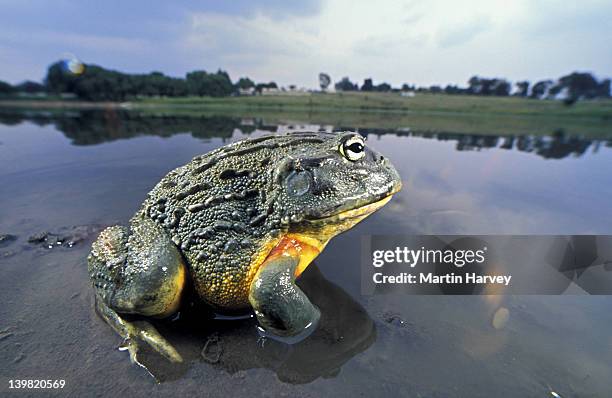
(95, 83)
(577, 85)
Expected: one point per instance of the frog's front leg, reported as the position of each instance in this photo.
(137, 271)
(281, 307)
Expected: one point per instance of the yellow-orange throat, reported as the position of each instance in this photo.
(297, 246)
(306, 244)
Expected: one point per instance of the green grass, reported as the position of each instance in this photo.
(424, 112)
(392, 102)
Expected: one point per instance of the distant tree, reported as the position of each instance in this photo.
(178, 87)
(57, 80)
(96, 83)
(453, 89)
(556, 90)
(522, 88)
(261, 86)
(196, 82)
(407, 87)
(30, 87)
(435, 89)
(383, 87)
(485, 86)
(210, 84)
(324, 81)
(367, 85)
(604, 89)
(154, 84)
(581, 85)
(245, 83)
(500, 87)
(475, 85)
(5, 88)
(540, 89)
(346, 85)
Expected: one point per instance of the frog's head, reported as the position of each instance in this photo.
(328, 187)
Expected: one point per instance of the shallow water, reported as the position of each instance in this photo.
(74, 173)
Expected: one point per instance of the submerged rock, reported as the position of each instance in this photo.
(66, 237)
(38, 238)
(213, 349)
(394, 319)
(6, 239)
(7, 254)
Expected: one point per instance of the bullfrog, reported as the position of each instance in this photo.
(237, 226)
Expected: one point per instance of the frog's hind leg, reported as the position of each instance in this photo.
(137, 271)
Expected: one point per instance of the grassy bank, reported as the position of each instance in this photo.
(425, 112)
(358, 102)
(430, 112)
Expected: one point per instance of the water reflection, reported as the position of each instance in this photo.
(557, 145)
(345, 330)
(92, 127)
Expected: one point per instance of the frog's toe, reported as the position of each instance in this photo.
(144, 331)
(131, 346)
(147, 332)
(135, 332)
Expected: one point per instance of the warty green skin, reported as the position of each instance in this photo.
(220, 212)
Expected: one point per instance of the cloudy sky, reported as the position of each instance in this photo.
(422, 42)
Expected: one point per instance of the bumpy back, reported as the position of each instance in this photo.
(220, 210)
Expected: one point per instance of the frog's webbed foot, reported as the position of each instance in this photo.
(133, 332)
(280, 306)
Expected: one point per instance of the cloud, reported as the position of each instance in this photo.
(224, 35)
(461, 34)
(77, 41)
(592, 16)
(250, 46)
(433, 42)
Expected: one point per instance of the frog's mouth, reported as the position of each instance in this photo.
(359, 212)
(345, 217)
(313, 234)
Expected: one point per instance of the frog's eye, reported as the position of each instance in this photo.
(353, 148)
